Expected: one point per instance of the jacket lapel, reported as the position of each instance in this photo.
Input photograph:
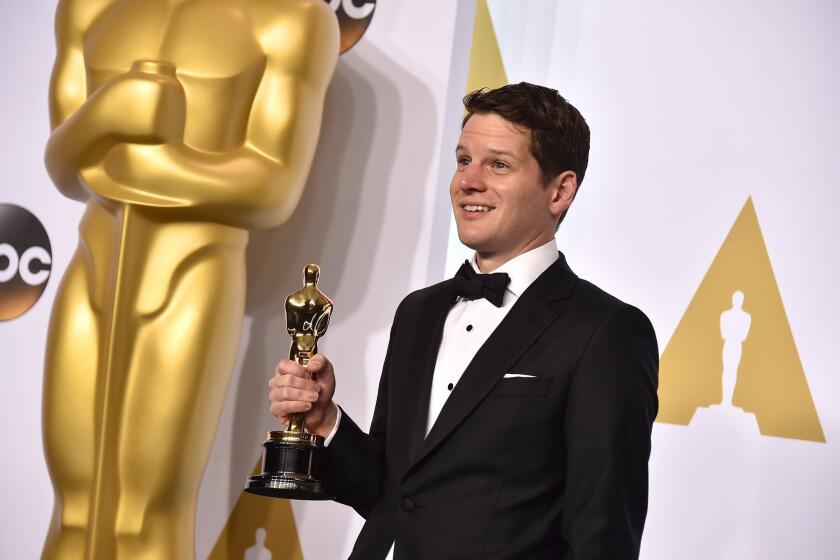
(537, 308)
(413, 410)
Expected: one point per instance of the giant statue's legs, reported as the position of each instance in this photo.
(132, 401)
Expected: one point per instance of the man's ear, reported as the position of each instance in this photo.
(563, 190)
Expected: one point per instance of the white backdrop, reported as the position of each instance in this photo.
(693, 107)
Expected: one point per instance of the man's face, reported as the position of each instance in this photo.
(501, 205)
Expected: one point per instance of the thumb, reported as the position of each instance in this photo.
(317, 363)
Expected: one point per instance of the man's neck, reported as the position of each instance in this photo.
(488, 262)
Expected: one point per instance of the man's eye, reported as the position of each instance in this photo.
(463, 161)
(500, 165)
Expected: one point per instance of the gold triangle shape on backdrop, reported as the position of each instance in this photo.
(771, 382)
(487, 69)
(242, 530)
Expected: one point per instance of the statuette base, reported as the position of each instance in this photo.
(290, 467)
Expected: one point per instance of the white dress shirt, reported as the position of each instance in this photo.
(470, 323)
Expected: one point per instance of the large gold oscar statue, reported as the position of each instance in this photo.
(181, 124)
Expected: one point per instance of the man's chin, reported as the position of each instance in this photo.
(470, 242)
(473, 237)
(478, 245)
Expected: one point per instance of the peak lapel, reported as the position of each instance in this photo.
(538, 307)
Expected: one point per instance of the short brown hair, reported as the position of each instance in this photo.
(559, 133)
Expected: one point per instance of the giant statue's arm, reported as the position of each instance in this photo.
(78, 136)
(259, 183)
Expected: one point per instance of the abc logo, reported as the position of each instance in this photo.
(353, 19)
(25, 259)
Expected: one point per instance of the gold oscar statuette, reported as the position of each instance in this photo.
(291, 457)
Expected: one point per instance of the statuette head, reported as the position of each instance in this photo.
(311, 273)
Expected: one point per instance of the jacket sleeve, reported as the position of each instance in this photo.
(354, 462)
(608, 420)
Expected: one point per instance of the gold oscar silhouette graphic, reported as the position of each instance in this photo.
(181, 124)
(733, 352)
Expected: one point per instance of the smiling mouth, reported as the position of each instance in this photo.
(476, 208)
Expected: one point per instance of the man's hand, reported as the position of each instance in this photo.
(292, 391)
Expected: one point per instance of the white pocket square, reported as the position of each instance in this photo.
(510, 375)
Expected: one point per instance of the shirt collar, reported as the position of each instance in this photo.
(525, 268)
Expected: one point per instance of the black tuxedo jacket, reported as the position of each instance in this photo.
(553, 466)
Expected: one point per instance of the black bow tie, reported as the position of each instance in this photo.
(470, 285)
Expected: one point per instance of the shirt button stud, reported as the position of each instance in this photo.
(408, 504)
(450, 386)
(469, 328)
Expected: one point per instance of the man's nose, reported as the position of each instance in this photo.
(472, 179)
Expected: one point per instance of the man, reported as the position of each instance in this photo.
(517, 428)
